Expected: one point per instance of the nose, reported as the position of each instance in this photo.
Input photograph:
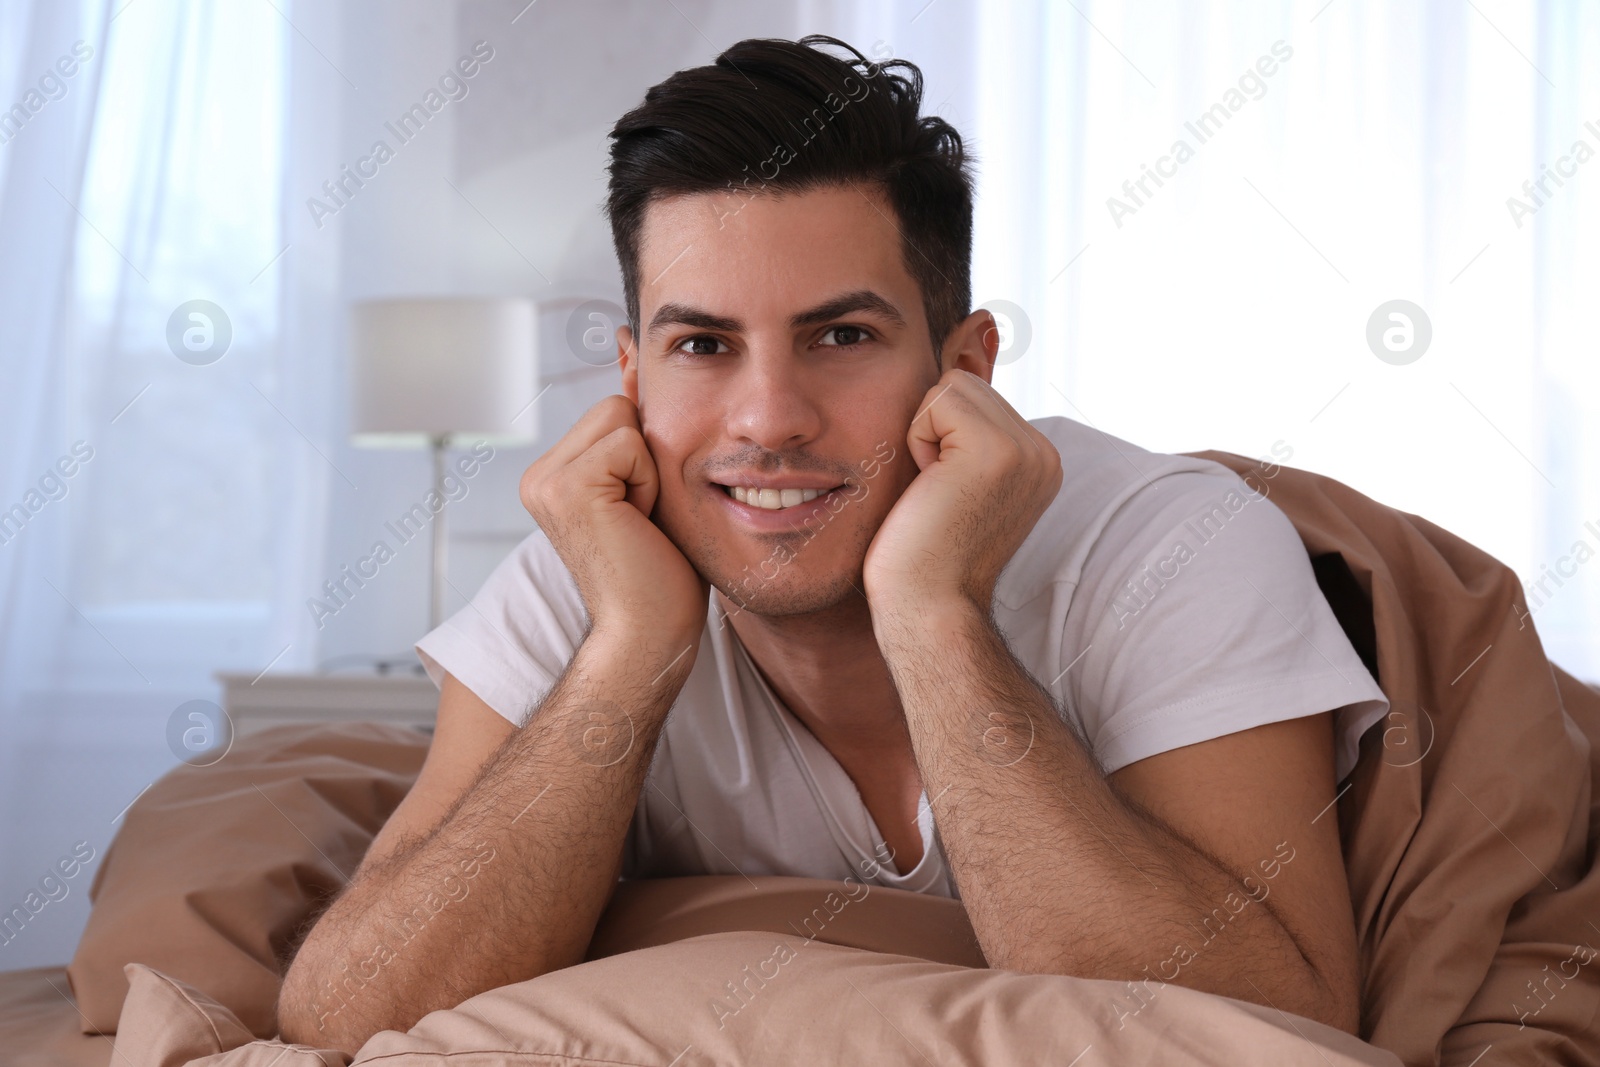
(770, 401)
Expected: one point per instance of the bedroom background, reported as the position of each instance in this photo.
(1425, 152)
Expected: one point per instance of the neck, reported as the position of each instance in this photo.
(826, 668)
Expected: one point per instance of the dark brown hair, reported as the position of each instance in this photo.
(784, 116)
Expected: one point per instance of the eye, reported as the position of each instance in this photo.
(845, 336)
(701, 345)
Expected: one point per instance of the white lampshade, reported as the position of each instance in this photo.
(434, 367)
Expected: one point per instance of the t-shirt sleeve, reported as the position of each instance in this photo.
(514, 637)
(1198, 615)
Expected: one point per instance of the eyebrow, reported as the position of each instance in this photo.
(676, 314)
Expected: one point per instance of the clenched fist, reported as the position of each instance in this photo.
(592, 494)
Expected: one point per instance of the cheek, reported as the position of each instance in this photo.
(671, 438)
(676, 493)
(681, 503)
(878, 418)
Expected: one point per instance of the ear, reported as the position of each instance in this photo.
(973, 345)
(627, 360)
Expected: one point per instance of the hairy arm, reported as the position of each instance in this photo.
(511, 880)
(1176, 869)
(1064, 872)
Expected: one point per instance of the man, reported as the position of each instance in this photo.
(902, 634)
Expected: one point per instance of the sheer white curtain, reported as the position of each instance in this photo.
(1362, 153)
(147, 195)
(180, 232)
(158, 473)
(45, 121)
(1231, 309)
(160, 555)
(44, 127)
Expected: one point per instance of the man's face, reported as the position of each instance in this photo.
(784, 347)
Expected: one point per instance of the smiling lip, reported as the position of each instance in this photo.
(775, 498)
(782, 519)
(779, 481)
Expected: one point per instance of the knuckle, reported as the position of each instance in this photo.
(617, 408)
(529, 492)
(551, 493)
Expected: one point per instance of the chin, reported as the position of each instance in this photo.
(779, 576)
(784, 595)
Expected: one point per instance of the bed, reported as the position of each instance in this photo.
(1469, 830)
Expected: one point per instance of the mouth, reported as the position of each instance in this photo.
(776, 499)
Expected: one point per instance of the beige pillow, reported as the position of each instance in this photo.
(748, 997)
(168, 1023)
(215, 868)
(778, 1000)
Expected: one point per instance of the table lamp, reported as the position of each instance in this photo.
(425, 370)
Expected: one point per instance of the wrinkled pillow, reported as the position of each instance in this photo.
(168, 1023)
(780, 1000)
(748, 997)
(216, 868)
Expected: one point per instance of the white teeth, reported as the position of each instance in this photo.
(773, 499)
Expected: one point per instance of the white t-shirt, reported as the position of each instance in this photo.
(1160, 599)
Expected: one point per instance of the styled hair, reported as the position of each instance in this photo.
(781, 116)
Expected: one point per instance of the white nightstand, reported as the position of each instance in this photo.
(255, 702)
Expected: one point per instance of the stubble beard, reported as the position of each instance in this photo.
(774, 589)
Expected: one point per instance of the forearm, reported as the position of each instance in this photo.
(1060, 874)
(511, 882)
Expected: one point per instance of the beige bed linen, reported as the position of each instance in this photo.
(156, 1027)
(215, 868)
(40, 1025)
(819, 1004)
(169, 1023)
(1470, 828)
